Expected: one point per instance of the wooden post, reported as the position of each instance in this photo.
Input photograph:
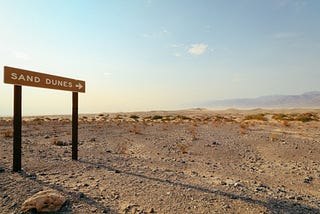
(17, 129)
(74, 125)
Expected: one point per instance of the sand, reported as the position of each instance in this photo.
(192, 161)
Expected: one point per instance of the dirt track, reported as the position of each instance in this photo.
(167, 162)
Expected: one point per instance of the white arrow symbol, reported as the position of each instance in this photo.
(79, 86)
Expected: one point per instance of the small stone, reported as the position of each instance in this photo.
(94, 209)
(151, 210)
(308, 179)
(299, 198)
(237, 184)
(106, 210)
(2, 170)
(46, 137)
(81, 195)
(223, 183)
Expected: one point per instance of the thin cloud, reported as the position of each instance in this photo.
(285, 35)
(159, 34)
(197, 49)
(298, 5)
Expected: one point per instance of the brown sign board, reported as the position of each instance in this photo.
(18, 76)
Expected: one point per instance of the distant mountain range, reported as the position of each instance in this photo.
(306, 100)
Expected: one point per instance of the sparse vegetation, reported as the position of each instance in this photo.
(304, 117)
(135, 117)
(122, 148)
(135, 130)
(193, 131)
(183, 148)
(57, 142)
(8, 133)
(156, 117)
(260, 117)
(182, 117)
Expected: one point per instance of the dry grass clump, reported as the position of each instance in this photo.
(182, 117)
(135, 117)
(156, 117)
(260, 117)
(135, 130)
(244, 127)
(194, 131)
(8, 133)
(304, 117)
(183, 148)
(57, 142)
(122, 148)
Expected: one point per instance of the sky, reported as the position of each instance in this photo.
(141, 55)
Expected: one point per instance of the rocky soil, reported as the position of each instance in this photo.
(195, 161)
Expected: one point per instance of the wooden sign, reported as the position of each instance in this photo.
(18, 76)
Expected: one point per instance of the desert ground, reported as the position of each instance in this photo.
(192, 161)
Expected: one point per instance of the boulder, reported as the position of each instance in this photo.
(44, 201)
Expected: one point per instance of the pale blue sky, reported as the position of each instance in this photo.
(159, 54)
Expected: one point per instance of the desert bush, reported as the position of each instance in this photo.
(156, 117)
(8, 133)
(282, 116)
(193, 131)
(256, 117)
(183, 148)
(135, 130)
(122, 148)
(57, 142)
(135, 117)
(286, 123)
(306, 117)
(182, 117)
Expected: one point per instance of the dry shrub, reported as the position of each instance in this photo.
(182, 117)
(8, 133)
(183, 148)
(57, 142)
(274, 137)
(135, 117)
(165, 127)
(193, 131)
(286, 123)
(122, 148)
(156, 117)
(256, 117)
(244, 128)
(135, 130)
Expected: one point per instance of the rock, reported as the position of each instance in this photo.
(238, 184)
(81, 195)
(2, 170)
(291, 197)
(151, 210)
(61, 143)
(308, 179)
(46, 137)
(44, 201)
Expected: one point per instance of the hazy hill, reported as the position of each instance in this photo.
(308, 100)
